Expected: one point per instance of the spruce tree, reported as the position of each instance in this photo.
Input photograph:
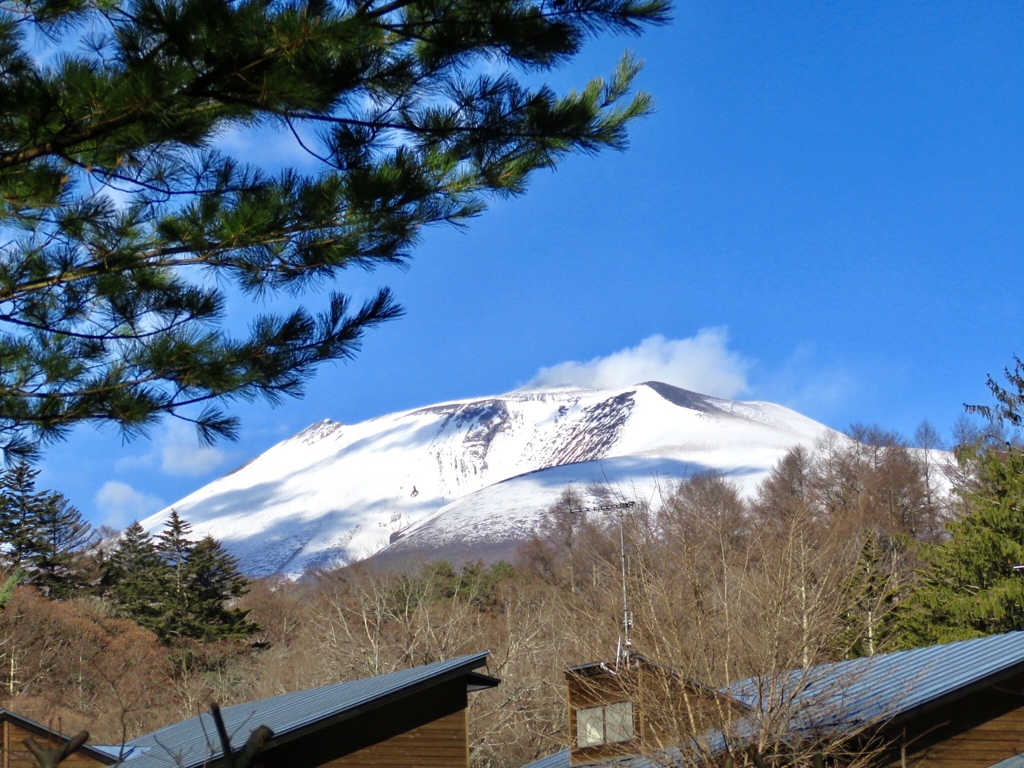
(57, 559)
(970, 585)
(179, 588)
(176, 599)
(125, 228)
(41, 532)
(134, 577)
(21, 512)
(872, 593)
(215, 581)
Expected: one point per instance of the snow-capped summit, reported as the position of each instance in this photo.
(471, 477)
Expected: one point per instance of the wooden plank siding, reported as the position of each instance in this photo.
(425, 730)
(974, 731)
(666, 708)
(592, 688)
(16, 754)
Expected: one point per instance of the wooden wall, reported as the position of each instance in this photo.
(595, 687)
(14, 754)
(974, 732)
(667, 709)
(427, 730)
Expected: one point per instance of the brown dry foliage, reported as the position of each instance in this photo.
(721, 589)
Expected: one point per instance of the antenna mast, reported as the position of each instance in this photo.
(627, 619)
(625, 644)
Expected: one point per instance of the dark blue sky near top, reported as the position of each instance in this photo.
(839, 185)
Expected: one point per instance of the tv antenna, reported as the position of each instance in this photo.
(625, 644)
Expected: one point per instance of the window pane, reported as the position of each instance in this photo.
(588, 727)
(618, 722)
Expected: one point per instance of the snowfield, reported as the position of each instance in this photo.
(472, 478)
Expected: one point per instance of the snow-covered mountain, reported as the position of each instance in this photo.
(471, 478)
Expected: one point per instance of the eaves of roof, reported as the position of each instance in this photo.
(724, 695)
(557, 760)
(885, 690)
(940, 699)
(291, 716)
(893, 687)
(51, 735)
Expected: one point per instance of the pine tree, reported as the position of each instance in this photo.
(970, 585)
(118, 207)
(134, 577)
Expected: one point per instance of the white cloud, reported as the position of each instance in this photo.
(807, 383)
(119, 504)
(702, 363)
(181, 454)
(269, 146)
(176, 450)
(134, 461)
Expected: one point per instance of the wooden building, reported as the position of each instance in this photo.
(14, 729)
(413, 718)
(637, 706)
(959, 705)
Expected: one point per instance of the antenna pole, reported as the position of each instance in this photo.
(625, 644)
(627, 621)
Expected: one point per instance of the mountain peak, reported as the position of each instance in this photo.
(684, 398)
(474, 474)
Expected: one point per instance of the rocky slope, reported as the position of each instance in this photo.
(470, 478)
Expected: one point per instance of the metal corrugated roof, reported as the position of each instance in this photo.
(868, 690)
(557, 760)
(194, 741)
(890, 685)
(1017, 761)
(662, 759)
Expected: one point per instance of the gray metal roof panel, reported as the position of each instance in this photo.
(194, 741)
(889, 685)
(1017, 761)
(866, 690)
(557, 760)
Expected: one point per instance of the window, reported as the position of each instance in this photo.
(609, 724)
(618, 722)
(590, 727)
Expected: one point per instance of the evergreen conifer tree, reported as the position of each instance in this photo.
(117, 204)
(41, 532)
(175, 548)
(21, 511)
(872, 594)
(64, 535)
(177, 587)
(215, 581)
(134, 577)
(970, 585)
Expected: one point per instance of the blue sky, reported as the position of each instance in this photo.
(824, 211)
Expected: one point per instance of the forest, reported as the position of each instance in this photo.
(866, 544)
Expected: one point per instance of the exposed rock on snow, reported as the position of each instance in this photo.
(471, 478)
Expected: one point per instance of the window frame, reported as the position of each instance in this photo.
(626, 728)
(598, 714)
